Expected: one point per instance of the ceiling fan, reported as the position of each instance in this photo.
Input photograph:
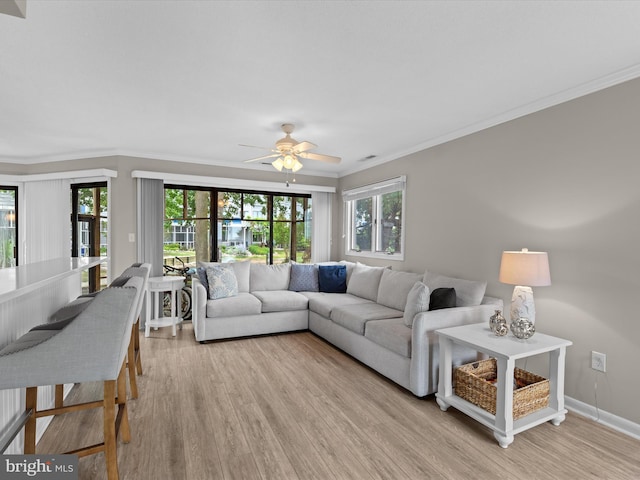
(288, 151)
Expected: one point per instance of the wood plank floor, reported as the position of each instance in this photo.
(293, 407)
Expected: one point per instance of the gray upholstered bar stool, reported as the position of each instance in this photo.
(91, 347)
(66, 314)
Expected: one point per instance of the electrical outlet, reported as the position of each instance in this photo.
(599, 361)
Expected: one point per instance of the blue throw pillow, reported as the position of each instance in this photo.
(304, 278)
(332, 278)
(202, 276)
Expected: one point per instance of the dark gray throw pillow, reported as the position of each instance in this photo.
(442, 298)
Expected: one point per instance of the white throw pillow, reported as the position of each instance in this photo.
(468, 292)
(241, 269)
(222, 282)
(417, 301)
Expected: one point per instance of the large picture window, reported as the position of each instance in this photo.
(374, 219)
(261, 227)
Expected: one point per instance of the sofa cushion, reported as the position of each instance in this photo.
(281, 301)
(395, 286)
(391, 334)
(241, 269)
(442, 298)
(332, 278)
(222, 281)
(417, 301)
(304, 278)
(323, 303)
(468, 292)
(354, 317)
(364, 281)
(269, 277)
(241, 304)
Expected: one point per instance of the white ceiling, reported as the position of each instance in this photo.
(190, 80)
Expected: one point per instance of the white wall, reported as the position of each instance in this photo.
(564, 180)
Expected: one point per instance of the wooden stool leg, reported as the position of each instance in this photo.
(122, 424)
(59, 396)
(31, 403)
(109, 426)
(131, 364)
(137, 348)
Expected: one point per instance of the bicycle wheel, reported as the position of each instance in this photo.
(185, 303)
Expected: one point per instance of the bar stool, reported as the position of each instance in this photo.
(156, 286)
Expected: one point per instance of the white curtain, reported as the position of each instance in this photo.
(150, 213)
(46, 211)
(321, 207)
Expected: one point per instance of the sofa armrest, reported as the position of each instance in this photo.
(424, 339)
(198, 307)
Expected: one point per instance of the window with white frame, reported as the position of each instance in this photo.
(374, 219)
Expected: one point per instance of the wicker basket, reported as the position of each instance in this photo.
(473, 383)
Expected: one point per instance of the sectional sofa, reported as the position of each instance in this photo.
(384, 318)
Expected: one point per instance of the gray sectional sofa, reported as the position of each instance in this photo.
(381, 317)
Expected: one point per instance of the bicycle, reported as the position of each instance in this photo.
(185, 293)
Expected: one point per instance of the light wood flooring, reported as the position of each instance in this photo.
(293, 407)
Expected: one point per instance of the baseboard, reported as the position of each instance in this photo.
(605, 418)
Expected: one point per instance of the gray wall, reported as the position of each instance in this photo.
(563, 180)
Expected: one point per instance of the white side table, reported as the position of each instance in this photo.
(506, 350)
(155, 287)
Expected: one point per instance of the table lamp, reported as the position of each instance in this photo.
(524, 269)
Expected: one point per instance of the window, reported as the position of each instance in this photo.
(257, 226)
(89, 230)
(8, 226)
(373, 219)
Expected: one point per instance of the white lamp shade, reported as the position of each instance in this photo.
(525, 268)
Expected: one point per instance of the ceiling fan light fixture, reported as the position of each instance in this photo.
(289, 161)
(278, 164)
(296, 166)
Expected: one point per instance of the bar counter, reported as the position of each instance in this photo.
(29, 294)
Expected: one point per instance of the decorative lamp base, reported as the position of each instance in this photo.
(522, 304)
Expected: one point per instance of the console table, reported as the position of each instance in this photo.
(506, 350)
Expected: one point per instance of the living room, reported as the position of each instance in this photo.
(556, 173)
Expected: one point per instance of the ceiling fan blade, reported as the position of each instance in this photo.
(303, 147)
(320, 157)
(273, 155)
(254, 146)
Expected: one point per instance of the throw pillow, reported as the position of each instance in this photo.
(222, 282)
(417, 301)
(304, 278)
(468, 292)
(442, 298)
(202, 276)
(241, 269)
(332, 278)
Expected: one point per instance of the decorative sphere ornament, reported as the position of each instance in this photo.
(522, 328)
(498, 324)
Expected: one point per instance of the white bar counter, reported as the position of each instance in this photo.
(29, 294)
